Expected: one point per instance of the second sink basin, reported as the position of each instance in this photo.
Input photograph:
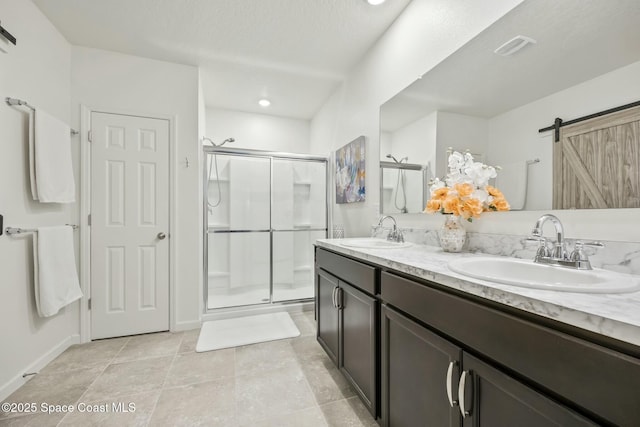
(369, 243)
(528, 274)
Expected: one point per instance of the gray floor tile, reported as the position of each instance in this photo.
(307, 348)
(121, 379)
(311, 417)
(263, 357)
(325, 380)
(348, 413)
(34, 420)
(305, 325)
(206, 404)
(53, 389)
(96, 354)
(131, 411)
(189, 341)
(272, 393)
(192, 368)
(150, 345)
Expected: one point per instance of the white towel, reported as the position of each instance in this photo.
(53, 168)
(55, 276)
(512, 181)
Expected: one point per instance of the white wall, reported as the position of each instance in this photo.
(460, 132)
(417, 140)
(514, 135)
(258, 131)
(37, 70)
(115, 82)
(422, 36)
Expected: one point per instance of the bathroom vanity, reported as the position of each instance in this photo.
(423, 345)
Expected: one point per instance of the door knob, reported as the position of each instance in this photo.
(161, 236)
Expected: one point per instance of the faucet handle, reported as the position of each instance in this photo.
(543, 250)
(578, 253)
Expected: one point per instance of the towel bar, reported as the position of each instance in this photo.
(19, 102)
(17, 230)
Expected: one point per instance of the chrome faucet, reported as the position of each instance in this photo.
(559, 250)
(578, 259)
(395, 235)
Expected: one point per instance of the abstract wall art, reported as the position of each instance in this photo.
(350, 172)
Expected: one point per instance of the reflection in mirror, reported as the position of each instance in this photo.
(403, 187)
(584, 59)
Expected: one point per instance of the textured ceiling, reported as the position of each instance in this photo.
(294, 51)
(577, 40)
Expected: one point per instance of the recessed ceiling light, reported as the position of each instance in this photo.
(375, 2)
(264, 102)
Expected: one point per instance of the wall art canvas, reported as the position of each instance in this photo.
(350, 172)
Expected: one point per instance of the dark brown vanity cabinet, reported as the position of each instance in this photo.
(346, 318)
(447, 358)
(427, 380)
(419, 377)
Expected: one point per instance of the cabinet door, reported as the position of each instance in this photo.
(419, 372)
(327, 313)
(492, 398)
(358, 342)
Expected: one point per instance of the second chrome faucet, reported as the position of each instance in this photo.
(558, 255)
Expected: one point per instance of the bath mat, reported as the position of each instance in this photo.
(227, 333)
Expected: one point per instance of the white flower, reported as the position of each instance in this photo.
(456, 161)
(481, 194)
(435, 184)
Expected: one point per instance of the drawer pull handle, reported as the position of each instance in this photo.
(450, 385)
(461, 388)
(334, 297)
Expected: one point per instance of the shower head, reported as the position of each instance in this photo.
(389, 156)
(210, 141)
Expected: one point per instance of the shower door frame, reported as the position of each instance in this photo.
(271, 155)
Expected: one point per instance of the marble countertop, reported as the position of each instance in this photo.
(613, 315)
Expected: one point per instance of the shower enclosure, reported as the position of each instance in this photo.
(403, 187)
(263, 211)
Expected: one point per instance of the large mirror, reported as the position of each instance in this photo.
(577, 58)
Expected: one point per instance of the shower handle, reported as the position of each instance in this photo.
(161, 236)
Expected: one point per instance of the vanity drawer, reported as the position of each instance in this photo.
(601, 381)
(356, 273)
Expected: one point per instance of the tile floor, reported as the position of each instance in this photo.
(280, 383)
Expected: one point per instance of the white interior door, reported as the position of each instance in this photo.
(129, 225)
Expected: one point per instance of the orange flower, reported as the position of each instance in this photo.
(433, 205)
(440, 193)
(493, 191)
(463, 190)
(500, 204)
(471, 208)
(452, 205)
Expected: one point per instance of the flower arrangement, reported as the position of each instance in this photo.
(466, 191)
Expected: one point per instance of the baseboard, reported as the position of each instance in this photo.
(186, 326)
(228, 313)
(17, 381)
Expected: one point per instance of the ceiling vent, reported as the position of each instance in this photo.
(514, 45)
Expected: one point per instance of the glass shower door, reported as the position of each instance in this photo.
(299, 209)
(239, 246)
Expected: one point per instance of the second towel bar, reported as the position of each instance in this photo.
(17, 230)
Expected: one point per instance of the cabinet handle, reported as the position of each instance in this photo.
(339, 298)
(333, 297)
(450, 385)
(461, 387)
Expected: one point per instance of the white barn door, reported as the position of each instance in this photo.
(129, 225)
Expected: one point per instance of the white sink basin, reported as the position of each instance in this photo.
(369, 243)
(528, 274)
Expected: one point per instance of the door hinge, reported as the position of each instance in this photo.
(89, 219)
(89, 303)
(90, 136)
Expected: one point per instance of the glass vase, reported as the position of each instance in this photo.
(452, 234)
